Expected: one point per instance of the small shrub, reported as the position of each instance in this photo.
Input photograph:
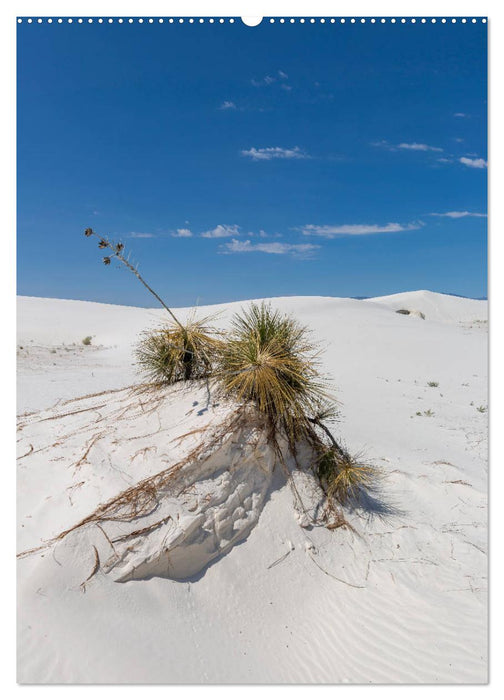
(428, 413)
(482, 409)
(411, 312)
(174, 353)
(343, 477)
(433, 384)
(87, 340)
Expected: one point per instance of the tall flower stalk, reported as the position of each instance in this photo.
(176, 352)
(116, 251)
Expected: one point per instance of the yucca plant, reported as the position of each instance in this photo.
(269, 360)
(342, 476)
(175, 352)
(171, 353)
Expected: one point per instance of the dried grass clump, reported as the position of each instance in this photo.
(343, 477)
(174, 352)
(269, 360)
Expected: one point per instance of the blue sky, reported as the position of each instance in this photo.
(237, 162)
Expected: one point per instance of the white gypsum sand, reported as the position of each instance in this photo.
(402, 598)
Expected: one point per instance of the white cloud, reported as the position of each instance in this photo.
(405, 146)
(383, 144)
(460, 114)
(182, 233)
(473, 162)
(418, 147)
(295, 249)
(227, 104)
(222, 231)
(267, 80)
(274, 152)
(357, 229)
(459, 214)
(286, 87)
(134, 234)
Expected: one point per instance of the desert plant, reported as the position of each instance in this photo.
(177, 352)
(170, 354)
(87, 340)
(482, 409)
(432, 384)
(269, 360)
(342, 476)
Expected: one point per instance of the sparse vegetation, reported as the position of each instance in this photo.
(428, 413)
(87, 340)
(266, 361)
(412, 312)
(432, 384)
(482, 409)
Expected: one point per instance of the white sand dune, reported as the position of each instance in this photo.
(403, 598)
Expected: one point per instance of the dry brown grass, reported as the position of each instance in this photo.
(174, 353)
(143, 498)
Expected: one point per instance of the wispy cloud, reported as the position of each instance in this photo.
(474, 162)
(182, 233)
(460, 114)
(418, 147)
(383, 144)
(135, 234)
(459, 214)
(269, 79)
(275, 152)
(405, 146)
(222, 231)
(227, 104)
(300, 250)
(358, 229)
